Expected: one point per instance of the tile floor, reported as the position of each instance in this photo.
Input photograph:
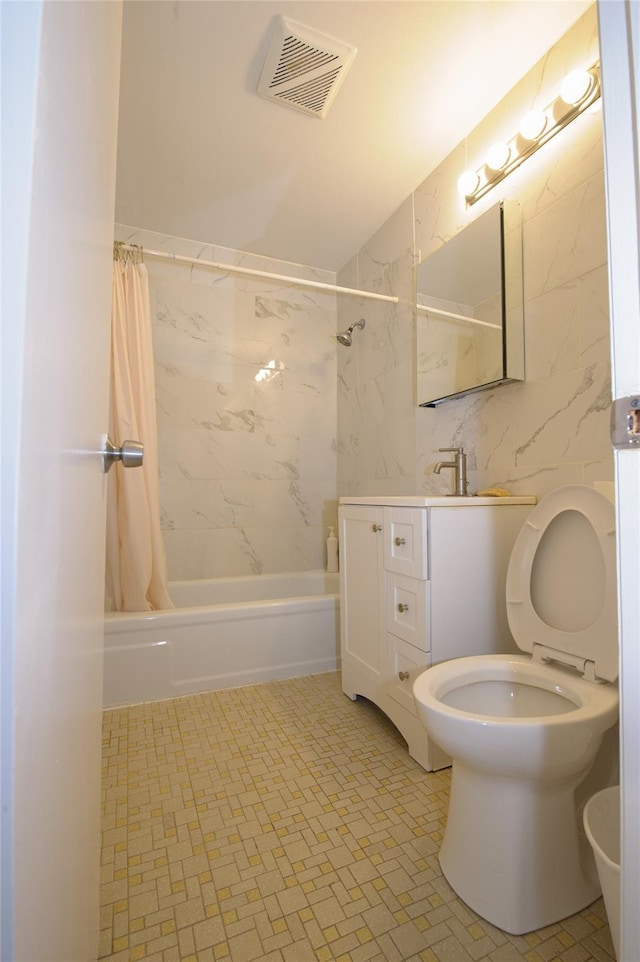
(285, 823)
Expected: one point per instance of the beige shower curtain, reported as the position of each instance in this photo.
(136, 563)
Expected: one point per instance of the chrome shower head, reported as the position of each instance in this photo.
(344, 337)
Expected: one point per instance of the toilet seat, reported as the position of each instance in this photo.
(510, 743)
(590, 645)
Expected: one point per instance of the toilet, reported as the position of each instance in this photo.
(524, 730)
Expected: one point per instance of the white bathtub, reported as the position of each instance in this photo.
(225, 633)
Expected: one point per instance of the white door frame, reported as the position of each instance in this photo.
(619, 27)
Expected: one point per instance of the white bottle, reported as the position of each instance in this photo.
(332, 551)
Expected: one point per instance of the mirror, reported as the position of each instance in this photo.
(470, 309)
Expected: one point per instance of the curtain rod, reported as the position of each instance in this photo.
(423, 309)
(231, 268)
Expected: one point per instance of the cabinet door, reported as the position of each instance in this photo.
(405, 541)
(404, 665)
(362, 588)
(407, 609)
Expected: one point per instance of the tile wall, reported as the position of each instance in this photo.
(250, 470)
(529, 437)
(247, 466)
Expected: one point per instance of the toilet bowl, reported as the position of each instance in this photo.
(524, 730)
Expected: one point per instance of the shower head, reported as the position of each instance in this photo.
(345, 336)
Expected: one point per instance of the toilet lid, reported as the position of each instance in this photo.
(561, 581)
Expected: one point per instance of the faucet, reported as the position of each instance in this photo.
(459, 466)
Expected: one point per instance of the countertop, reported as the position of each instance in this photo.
(439, 501)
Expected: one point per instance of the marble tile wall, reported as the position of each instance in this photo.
(248, 466)
(529, 437)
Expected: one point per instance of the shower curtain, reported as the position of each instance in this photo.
(136, 578)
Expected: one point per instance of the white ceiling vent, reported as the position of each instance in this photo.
(304, 69)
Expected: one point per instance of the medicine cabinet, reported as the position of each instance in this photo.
(470, 323)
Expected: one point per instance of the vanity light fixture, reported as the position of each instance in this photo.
(468, 182)
(579, 90)
(575, 87)
(534, 125)
(498, 156)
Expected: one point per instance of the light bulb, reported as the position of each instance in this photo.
(468, 183)
(575, 87)
(533, 124)
(498, 156)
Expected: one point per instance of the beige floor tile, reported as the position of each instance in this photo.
(285, 823)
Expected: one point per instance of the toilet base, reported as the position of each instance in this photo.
(514, 850)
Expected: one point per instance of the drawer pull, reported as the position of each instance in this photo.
(403, 675)
(402, 607)
(376, 527)
(399, 541)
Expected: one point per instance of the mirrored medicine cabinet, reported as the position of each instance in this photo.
(470, 323)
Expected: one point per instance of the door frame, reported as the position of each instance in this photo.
(619, 30)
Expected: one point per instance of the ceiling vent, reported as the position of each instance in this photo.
(304, 69)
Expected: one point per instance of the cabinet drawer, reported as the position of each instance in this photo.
(405, 544)
(404, 665)
(407, 609)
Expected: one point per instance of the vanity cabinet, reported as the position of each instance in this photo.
(422, 580)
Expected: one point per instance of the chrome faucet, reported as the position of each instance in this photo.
(459, 466)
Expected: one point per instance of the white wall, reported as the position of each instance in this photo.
(247, 468)
(531, 437)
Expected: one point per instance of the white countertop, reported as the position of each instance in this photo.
(440, 501)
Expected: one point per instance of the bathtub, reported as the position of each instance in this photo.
(224, 633)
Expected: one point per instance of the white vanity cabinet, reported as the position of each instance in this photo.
(422, 580)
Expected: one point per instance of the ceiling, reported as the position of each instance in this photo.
(201, 155)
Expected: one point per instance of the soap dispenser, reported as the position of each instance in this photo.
(332, 550)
